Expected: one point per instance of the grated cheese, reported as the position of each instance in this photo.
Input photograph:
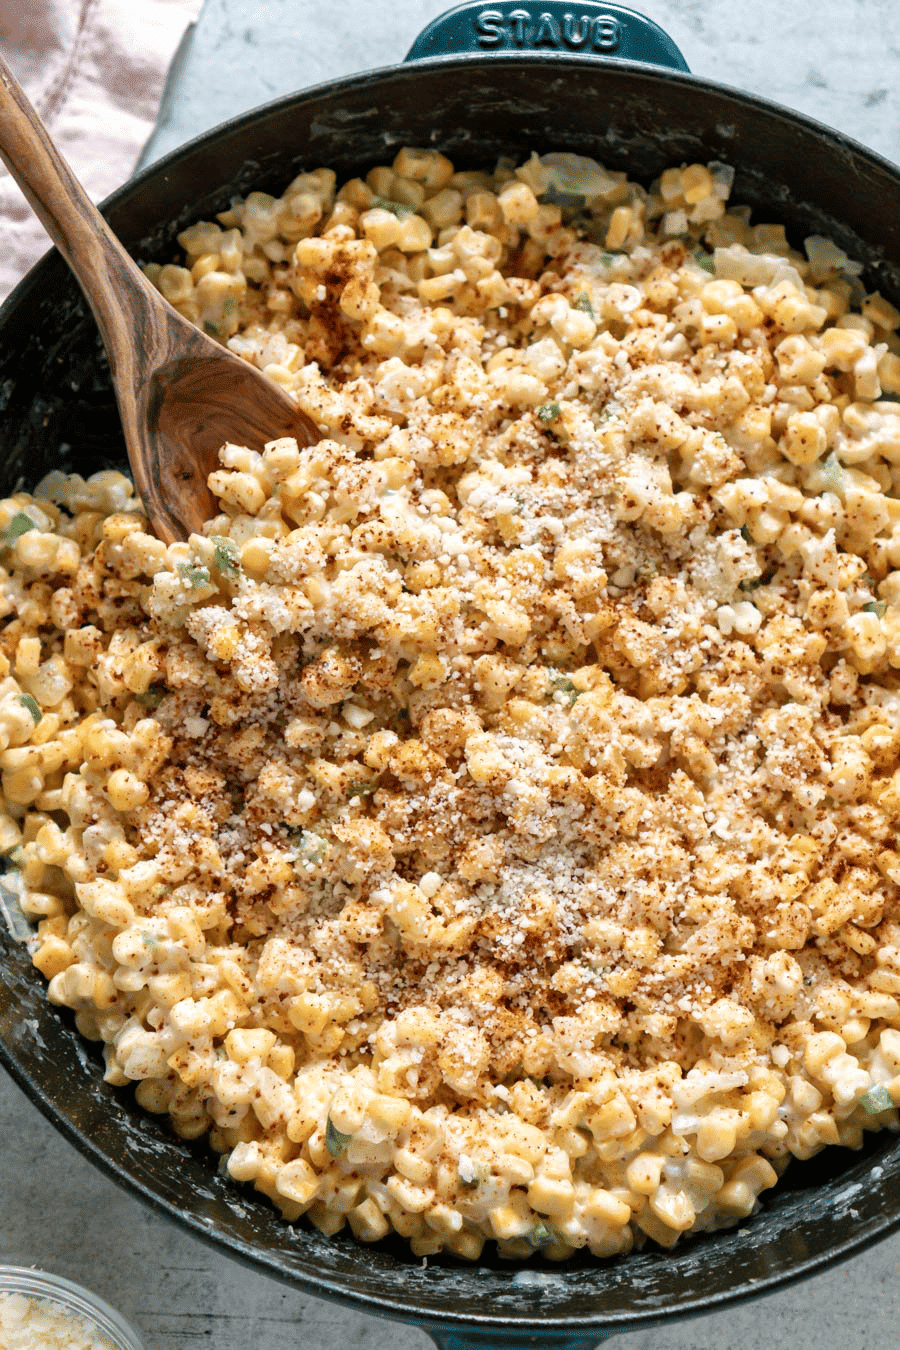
(37, 1324)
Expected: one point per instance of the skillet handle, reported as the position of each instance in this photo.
(550, 28)
(512, 1340)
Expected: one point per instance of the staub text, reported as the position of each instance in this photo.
(574, 32)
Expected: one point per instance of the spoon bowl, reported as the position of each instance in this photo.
(179, 409)
(181, 394)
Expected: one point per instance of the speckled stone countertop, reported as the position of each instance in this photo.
(836, 60)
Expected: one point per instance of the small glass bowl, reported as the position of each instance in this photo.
(71, 1298)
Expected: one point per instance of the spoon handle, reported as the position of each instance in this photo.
(99, 261)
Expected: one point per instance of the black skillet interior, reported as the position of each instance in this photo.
(57, 411)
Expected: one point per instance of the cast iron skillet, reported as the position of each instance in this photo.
(497, 93)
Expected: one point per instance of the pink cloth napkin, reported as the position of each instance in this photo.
(95, 70)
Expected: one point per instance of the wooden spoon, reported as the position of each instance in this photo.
(181, 395)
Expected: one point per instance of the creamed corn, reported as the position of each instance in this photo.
(487, 828)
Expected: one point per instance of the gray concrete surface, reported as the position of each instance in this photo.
(838, 60)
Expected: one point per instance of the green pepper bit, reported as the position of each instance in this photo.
(153, 696)
(227, 555)
(335, 1140)
(399, 209)
(32, 705)
(561, 684)
(19, 525)
(308, 846)
(193, 575)
(542, 1235)
(876, 1100)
